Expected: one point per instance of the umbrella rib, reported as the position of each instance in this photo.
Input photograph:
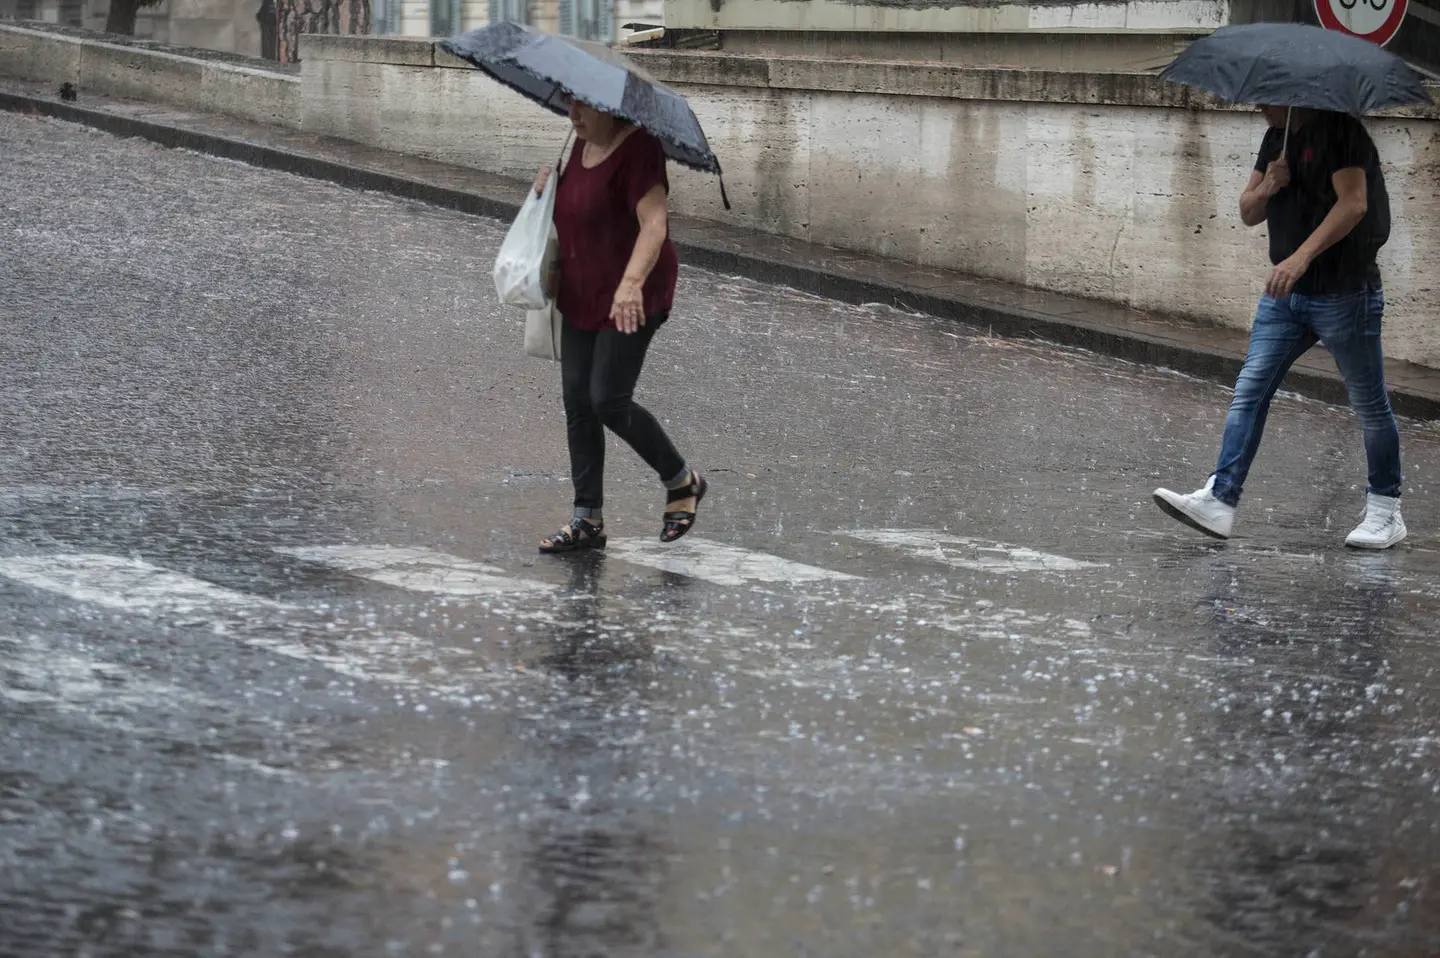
(1254, 65)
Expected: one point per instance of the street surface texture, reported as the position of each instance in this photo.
(281, 672)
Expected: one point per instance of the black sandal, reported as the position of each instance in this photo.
(579, 534)
(679, 523)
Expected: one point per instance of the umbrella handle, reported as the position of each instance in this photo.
(1285, 143)
(561, 158)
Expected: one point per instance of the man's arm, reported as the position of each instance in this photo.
(1351, 205)
(1255, 201)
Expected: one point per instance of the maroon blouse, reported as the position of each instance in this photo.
(596, 222)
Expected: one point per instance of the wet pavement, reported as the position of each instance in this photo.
(281, 674)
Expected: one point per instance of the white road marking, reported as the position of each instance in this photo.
(966, 553)
(417, 569)
(372, 655)
(130, 585)
(721, 564)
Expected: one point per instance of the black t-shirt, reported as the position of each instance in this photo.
(1326, 143)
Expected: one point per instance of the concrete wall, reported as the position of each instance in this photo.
(228, 26)
(67, 12)
(1117, 187)
(214, 86)
(936, 16)
(415, 107)
(1073, 35)
(1070, 52)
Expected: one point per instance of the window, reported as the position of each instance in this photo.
(444, 18)
(385, 16)
(512, 11)
(588, 19)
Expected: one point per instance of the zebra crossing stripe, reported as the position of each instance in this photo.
(963, 552)
(718, 563)
(418, 570)
(131, 585)
(137, 587)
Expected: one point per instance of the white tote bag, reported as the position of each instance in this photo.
(542, 332)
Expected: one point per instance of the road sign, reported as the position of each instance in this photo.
(1375, 20)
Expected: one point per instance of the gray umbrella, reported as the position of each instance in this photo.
(554, 70)
(1295, 65)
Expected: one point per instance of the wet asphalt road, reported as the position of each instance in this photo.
(281, 674)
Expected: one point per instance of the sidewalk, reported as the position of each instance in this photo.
(1005, 309)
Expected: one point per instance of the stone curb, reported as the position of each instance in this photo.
(1008, 321)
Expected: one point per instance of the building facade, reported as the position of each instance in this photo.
(68, 12)
(233, 26)
(1085, 35)
(587, 19)
(1107, 35)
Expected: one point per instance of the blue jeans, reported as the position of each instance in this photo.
(1284, 330)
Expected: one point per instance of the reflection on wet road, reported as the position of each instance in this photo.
(281, 673)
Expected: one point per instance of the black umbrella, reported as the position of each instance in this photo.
(554, 70)
(1294, 65)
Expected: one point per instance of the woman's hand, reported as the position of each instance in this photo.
(628, 310)
(541, 179)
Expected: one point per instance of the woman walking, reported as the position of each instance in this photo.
(616, 286)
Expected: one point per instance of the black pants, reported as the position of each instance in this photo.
(599, 372)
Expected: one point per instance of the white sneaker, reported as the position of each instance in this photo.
(1199, 510)
(1382, 526)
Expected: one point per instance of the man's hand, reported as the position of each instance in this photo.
(1283, 277)
(628, 310)
(1277, 177)
(1255, 201)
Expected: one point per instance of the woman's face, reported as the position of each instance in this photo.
(590, 124)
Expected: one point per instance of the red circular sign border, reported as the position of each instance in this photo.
(1388, 29)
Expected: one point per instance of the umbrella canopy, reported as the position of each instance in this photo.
(553, 70)
(1294, 65)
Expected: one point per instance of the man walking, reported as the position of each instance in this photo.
(1318, 186)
